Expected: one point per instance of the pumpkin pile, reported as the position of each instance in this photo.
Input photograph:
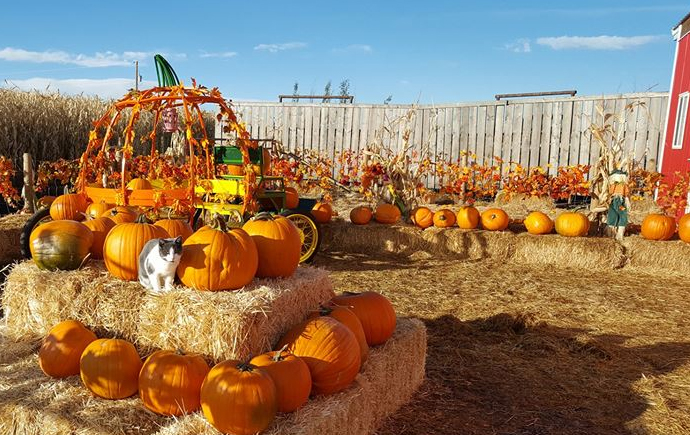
(321, 355)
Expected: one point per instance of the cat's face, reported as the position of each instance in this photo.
(170, 249)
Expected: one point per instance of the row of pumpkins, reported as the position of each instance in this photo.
(570, 224)
(321, 355)
(214, 257)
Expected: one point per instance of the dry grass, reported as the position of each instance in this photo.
(219, 325)
(32, 404)
(10, 230)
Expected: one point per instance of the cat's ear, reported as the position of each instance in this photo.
(161, 242)
(178, 240)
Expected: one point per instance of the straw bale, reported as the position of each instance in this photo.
(219, 325)
(652, 256)
(32, 404)
(10, 230)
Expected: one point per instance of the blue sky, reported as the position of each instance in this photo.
(431, 52)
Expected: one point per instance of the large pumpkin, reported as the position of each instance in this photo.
(348, 318)
(213, 259)
(96, 209)
(170, 382)
(684, 228)
(330, 350)
(361, 215)
(121, 214)
(176, 227)
(538, 223)
(110, 368)
(422, 217)
(124, 243)
(278, 244)
(444, 218)
(62, 348)
(71, 206)
(468, 217)
(238, 398)
(572, 224)
(322, 212)
(290, 375)
(494, 219)
(375, 312)
(386, 214)
(139, 184)
(658, 227)
(100, 227)
(60, 245)
(291, 198)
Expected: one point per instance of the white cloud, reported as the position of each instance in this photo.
(519, 46)
(105, 88)
(95, 61)
(274, 48)
(223, 54)
(354, 48)
(603, 42)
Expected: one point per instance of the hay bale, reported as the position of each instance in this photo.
(219, 325)
(36, 405)
(656, 257)
(10, 229)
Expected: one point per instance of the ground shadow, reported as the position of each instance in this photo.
(507, 375)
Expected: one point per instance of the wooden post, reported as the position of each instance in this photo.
(29, 197)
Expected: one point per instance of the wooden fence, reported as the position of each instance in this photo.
(537, 132)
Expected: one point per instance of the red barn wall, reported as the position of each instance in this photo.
(677, 159)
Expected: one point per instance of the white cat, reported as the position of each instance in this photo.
(158, 262)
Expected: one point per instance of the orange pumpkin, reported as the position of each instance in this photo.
(176, 227)
(60, 245)
(96, 209)
(45, 201)
(170, 382)
(684, 228)
(110, 368)
(291, 198)
(71, 206)
(494, 219)
(468, 217)
(658, 227)
(375, 312)
(290, 375)
(361, 215)
(238, 398)
(139, 184)
(62, 348)
(572, 224)
(100, 227)
(213, 259)
(322, 212)
(278, 244)
(387, 214)
(348, 318)
(422, 217)
(124, 243)
(330, 350)
(121, 214)
(444, 218)
(538, 223)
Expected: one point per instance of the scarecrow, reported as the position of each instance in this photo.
(617, 217)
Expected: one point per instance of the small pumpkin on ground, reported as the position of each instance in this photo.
(110, 368)
(100, 227)
(538, 223)
(572, 224)
(387, 214)
(176, 227)
(278, 244)
(139, 184)
(322, 212)
(361, 215)
(468, 217)
(658, 227)
(96, 209)
(494, 219)
(70, 206)
(348, 318)
(62, 347)
(291, 198)
(375, 312)
(684, 228)
(60, 245)
(422, 217)
(290, 375)
(170, 382)
(444, 218)
(239, 398)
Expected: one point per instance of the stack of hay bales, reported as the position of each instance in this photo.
(10, 230)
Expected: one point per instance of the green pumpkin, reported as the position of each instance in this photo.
(61, 244)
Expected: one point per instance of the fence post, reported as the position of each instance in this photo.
(29, 197)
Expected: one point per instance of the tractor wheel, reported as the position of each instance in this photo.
(308, 231)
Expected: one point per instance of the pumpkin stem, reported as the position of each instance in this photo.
(246, 366)
(278, 356)
(142, 219)
(263, 216)
(179, 351)
(218, 223)
(324, 311)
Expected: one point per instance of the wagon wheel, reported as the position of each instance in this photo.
(40, 217)
(308, 232)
